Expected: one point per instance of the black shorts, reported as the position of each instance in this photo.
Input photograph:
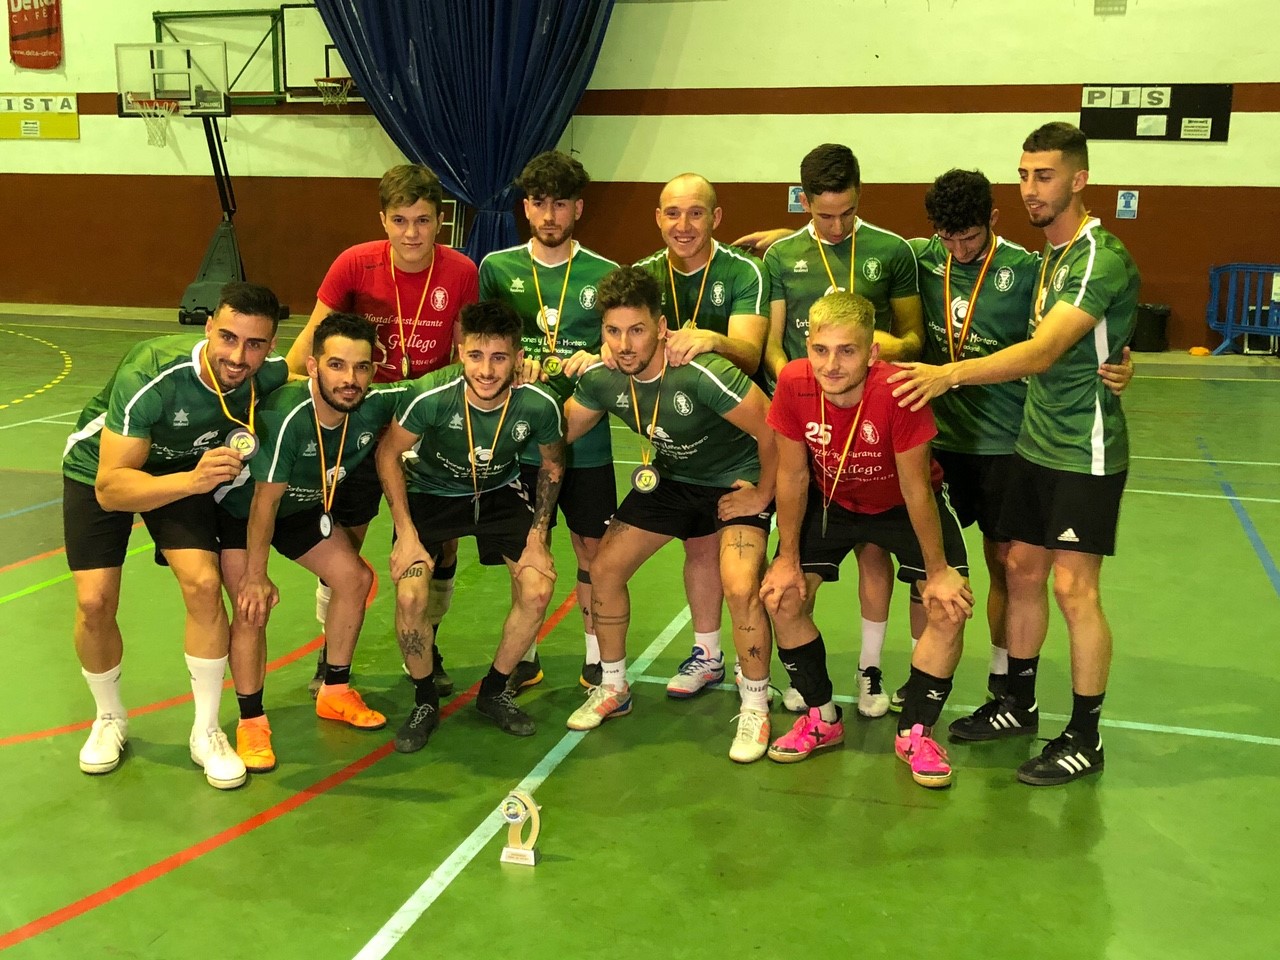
(683, 510)
(588, 497)
(506, 514)
(294, 534)
(976, 486)
(98, 539)
(1059, 510)
(891, 530)
(359, 495)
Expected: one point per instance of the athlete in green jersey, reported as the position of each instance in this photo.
(551, 283)
(314, 432)
(174, 422)
(462, 432)
(1069, 468)
(712, 473)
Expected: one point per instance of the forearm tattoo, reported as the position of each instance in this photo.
(550, 476)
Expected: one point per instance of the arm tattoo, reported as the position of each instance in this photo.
(550, 476)
(412, 642)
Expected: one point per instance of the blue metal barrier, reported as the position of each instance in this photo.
(1243, 298)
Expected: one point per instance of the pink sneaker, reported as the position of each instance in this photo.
(810, 733)
(929, 766)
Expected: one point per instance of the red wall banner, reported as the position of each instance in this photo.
(35, 33)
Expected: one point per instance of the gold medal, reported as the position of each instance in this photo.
(243, 442)
(242, 439)
(404, 344)
(549, 317)
(552, 365)
(404, 367)
(644, 479)
(328, 490)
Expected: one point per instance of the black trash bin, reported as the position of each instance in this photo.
(1149, 332)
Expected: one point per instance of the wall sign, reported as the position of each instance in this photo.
(1178, 111)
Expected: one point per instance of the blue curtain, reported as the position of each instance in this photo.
(471, 88)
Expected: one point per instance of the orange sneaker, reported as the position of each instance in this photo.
(253, 745)
(347, 706)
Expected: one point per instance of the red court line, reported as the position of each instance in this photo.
(44, 556)
(173, 861)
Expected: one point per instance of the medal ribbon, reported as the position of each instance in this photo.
(1041, 292)
(635, 408)
(217, 388)
(493, 450)
(849, 444)
(956, 346)
(551, 335)
(327, 491)
(853, 248)
(404, 344)
(675, 303)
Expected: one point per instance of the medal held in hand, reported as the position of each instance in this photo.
(552, 364)
(243, 442)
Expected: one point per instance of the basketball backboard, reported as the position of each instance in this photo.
(193, 75)
(309, 53)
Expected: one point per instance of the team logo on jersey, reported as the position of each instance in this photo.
(1004, 279)
(439, 299)
(802, 266)
(868, 431)
(517, 285)
(310, 450)
(655, 432)
(455, 422)
(481, 455)
(959, 310)
(622, 403)
(872, 269)
(717, 293)
(366, 438)
(684, 406)
(1059, 279)
(336, 475)
(180, 418)
(204, 438)
(520, 430)
(548, 319)
(587, 297)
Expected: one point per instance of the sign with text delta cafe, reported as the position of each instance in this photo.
(35, 33)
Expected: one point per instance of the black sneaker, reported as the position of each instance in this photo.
(997, 685)
(528, 673)
(317, 681)
(443, 682)
(592, 675)
(417, 729)
(1063, 759)
(502, 710)
(898, 699)
(996, 720)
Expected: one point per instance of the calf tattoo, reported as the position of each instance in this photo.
(413, 643)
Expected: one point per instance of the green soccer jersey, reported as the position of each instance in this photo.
(692, 441)
(291, 451)
(985, 418)
(508, 275)
(885, 269)
(732, 284)
(156, 394)
(1072, 421)
(434, 409)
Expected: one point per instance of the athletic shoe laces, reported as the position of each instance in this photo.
(420, 714)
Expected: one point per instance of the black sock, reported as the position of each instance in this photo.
(1022, 681)
(1085, 713)
(441, 572)
(250, 705)
(925, 697)
(493, 683)
(424, 692)
(334, 674)
(806, 667)
(437, 658)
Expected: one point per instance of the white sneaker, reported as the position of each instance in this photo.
(323, 593)
(696, 672)
(872, 700)
(792, 700)
(101, 752)
(751, 739)
(223, 767)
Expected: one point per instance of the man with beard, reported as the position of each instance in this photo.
(461, 431)
(712, 475)
(175, 421)
(411, 289)
(551, 283)
(1071, 457)
(314, 432)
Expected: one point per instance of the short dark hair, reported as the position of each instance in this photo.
(959, 200)
(492, 318)
(553, 174)
(349, 325)
(405, 185)
(1060, 136)
(629, 287)
(829, 168)
(250, 299)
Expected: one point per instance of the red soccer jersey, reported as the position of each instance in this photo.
(360, 282)
(869, 481)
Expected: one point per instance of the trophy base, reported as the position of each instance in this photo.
(524, 857)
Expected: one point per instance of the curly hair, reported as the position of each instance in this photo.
(959, 200)
(553, 174)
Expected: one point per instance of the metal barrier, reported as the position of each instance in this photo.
(1244, 298)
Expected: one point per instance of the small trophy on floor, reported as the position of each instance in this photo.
(518, 809)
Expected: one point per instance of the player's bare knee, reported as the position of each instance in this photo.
(201, 589)
(1076, 597)
(533, 590)
(97, 607)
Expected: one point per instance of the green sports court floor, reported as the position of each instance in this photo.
(653, 843)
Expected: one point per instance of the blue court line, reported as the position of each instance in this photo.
(1250, 531)
(34, 506)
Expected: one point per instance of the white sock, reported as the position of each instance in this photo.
(914, 641)
(709, 642)
(872, 643)
(999, 660)
(828, 712)
(105, 688)
(206, 690)
(614, 673)
(754, 694)
(593, 648)
(530, 653)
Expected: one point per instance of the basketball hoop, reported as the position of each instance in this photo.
(156, 115)
(334, 90)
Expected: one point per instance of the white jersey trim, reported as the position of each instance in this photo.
(284, 426)
(716, 380)
(1098, 436)
(91, 428)
(428, 393)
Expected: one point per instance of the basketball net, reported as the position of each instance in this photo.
(333, 90)
(156, 114)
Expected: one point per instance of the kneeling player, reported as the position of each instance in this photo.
(852, 469)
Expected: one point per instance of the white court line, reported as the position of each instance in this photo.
(1202, 460)
(394, 929)
(49, 419)
(1202, 496)
(964, 709)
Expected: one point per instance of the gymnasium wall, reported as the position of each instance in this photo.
(725, 87)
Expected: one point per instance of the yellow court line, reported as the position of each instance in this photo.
(66, 369)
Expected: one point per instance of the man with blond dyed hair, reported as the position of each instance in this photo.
(855, 468)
